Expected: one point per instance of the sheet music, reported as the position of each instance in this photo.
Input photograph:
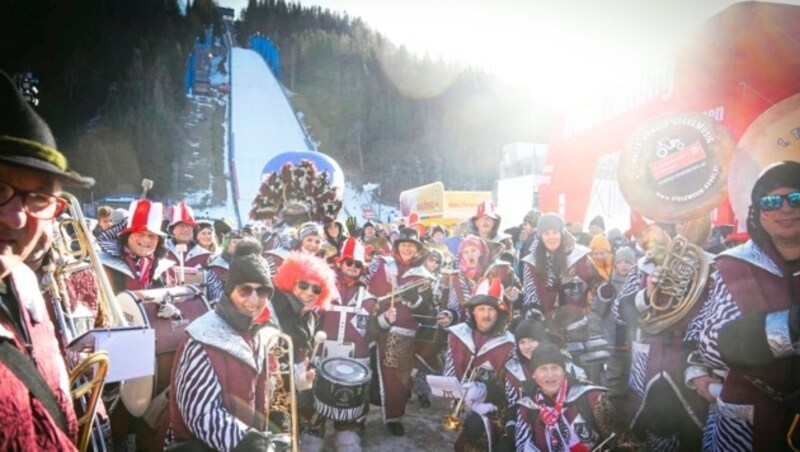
(447, 387)
(132, 350)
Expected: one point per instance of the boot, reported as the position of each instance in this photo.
(396, 428)
(311, 443)
(347, 441)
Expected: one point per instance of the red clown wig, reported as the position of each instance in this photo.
(305, 267)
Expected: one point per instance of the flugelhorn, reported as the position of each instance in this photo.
(452, 422)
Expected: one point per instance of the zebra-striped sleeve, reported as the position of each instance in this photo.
(720, 310)
(695, 326)
(449, 366)
(524, 439)
(199, 397)
(373, 267)
(272, 267)
(631, 285)
(213, 285)
(530, 296)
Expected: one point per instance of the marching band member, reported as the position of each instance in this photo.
(182, 229)
(219, 384)
(473, 259)
(206, 237)
(104, 220)
(560, 414)
(220, 263)
(430, 340)
(752, 322)
(486, 225)
(32, 173)
(482, 344)
(305, 287)
(345, 324)
(397, 325)
(557, 278)
(137, 261)
(666, 414)
(335, 233)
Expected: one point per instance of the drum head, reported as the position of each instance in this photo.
(770, 138)
(675, 167)
(135, 393)
(344, 370)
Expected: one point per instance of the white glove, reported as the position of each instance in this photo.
(483, 408)
(474, 393)
(301, 382)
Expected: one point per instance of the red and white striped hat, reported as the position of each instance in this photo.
(486, 208)
(144, 215)
(489, 292)
(352, 249)
(181, 213)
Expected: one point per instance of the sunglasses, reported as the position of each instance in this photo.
(352, 263)
(262, 291)
(774, 202)
(305, 285)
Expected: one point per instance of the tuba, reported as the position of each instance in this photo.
(674, 170)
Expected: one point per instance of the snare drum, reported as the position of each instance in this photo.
(341, 388)
(141, 308)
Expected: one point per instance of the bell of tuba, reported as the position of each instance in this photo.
(683, 276)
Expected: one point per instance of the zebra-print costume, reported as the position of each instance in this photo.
(456, 299)
(199, 397)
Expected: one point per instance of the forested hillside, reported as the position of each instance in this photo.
(386, 115)
(111, 86)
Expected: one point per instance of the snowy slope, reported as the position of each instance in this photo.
(264, 123)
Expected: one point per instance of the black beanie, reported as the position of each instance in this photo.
(247, 266)
(779, 174)
(547, 353)
(598, 220)
(532, 329)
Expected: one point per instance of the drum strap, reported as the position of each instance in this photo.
(344, 310)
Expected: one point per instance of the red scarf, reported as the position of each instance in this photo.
(143, 267)
(550, 415)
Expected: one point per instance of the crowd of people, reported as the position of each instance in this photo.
(554, 338)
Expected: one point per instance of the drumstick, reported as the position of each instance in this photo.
(319, 338)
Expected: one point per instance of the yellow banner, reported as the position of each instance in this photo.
(464, 204)
(426, 201)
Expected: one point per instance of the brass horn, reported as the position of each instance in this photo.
(683, 276)
(280, 365)
(452, 422)
(91, 387)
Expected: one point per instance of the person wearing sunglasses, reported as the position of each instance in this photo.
(397, 325)
(345, 323)
(752, 321)
(219, 391)
(306, 286)
(32, 174)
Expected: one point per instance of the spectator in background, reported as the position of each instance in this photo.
(104, 221)
(335, 233)
(367, 232)
(597, 226)
(616, 239)
(438, 233)
(206, 237)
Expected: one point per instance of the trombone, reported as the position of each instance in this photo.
(282, 399)
(452, 422)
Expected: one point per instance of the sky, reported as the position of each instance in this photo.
(561, 51)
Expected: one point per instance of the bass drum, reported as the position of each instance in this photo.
(167, 312)
(341, 388)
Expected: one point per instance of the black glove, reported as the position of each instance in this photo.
(254, 441)
(411, 295)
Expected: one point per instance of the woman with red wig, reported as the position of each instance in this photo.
(305, 285)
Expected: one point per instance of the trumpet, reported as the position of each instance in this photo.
(412, 285)
(280, 363)
(452, 422)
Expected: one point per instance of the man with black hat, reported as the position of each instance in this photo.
(36, 407)
(483, 343)
(752, 326)
(396, 323)
(220, 392)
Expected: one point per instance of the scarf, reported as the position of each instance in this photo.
(558, 432)
(240, 322)
(143, 267)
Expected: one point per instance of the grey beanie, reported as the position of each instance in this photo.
(625, 254)
(548, 222)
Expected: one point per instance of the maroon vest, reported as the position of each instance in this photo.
(244, 391)
(756, 290)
